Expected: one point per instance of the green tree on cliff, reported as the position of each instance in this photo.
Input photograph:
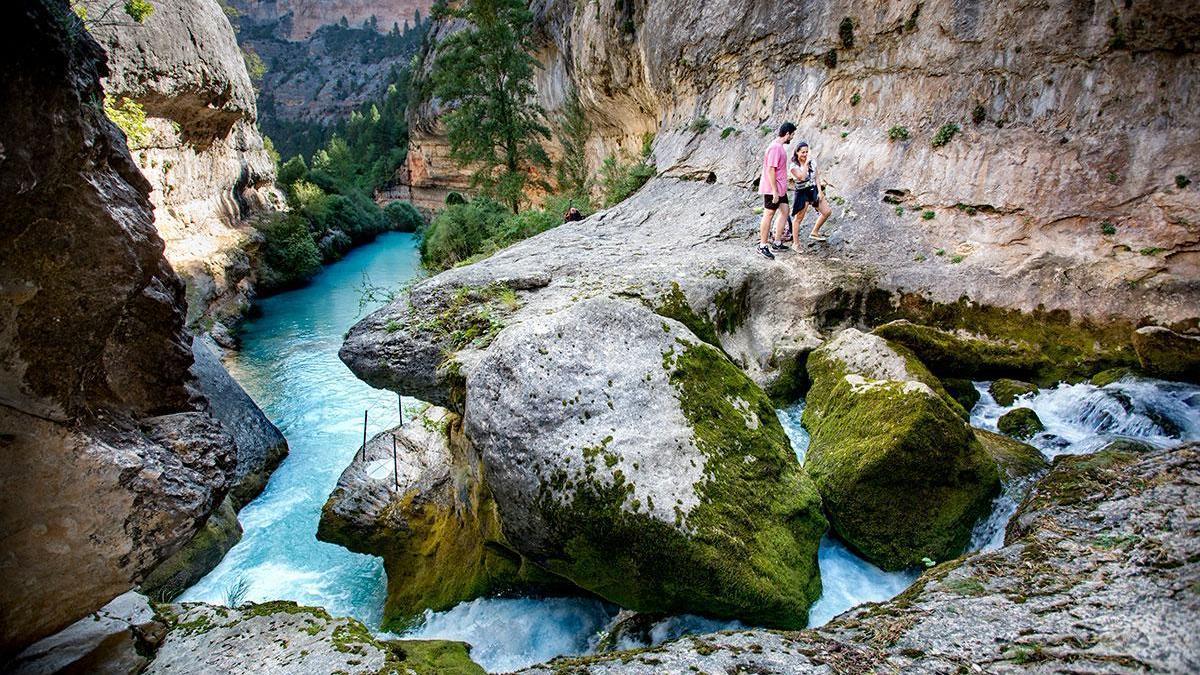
(484, 73)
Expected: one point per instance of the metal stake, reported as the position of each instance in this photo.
(364, 445)
(395, 467)
(400, 404)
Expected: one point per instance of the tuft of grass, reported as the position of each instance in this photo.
(898, 133)
(899, 210)
(1152, 250)
(945, 134)
(764, 130)
(978, 114)
(845, 134)
(1182, 181)
(940, 251)
(855, 99)
(1112, 178)
(699, 125)
(928, 215)
(1108, 228)
(726, 132)
(235, 594)
(956, 259)
(919, 258)
(846, 32)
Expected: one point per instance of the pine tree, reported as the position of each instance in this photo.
(484, 73)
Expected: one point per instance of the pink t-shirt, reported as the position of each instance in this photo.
(776, 157)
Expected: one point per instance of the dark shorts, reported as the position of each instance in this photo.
(804, 198)
(769, 203)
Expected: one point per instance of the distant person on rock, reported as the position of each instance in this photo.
(808, 191)
(572, 215)
(773, 188)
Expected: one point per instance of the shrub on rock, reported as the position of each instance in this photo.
(901, 474)
(1022, 423)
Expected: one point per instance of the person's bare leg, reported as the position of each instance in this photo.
(825, 211)
(780, 222)
(765, 229)
(797, 221)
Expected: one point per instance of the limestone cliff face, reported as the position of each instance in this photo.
(1075, 120)
(111, 459)
(303, 17)
(208, 170)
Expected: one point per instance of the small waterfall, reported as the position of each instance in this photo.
(1083, 418)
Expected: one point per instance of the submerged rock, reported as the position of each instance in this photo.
(637, 461)
(431, 518)
(901, 474)
(1112, 538)
(283, 637)
(1167, 354)
(1006, 391)
(1020, 423)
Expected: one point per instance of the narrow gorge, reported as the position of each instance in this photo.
(960, 435)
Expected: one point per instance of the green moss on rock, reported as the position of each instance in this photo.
(674, 305)
(1107, 377)
(1050, 346)
(948, 354)
(1015, 459)
(748, 550)
(197, 558)
(1006, 391)
(962, 390)
(1167, 354)
(1021, 423)
(901, 474)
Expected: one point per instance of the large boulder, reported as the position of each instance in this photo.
(901, 474)
(1111, 536)
(953, 354)
(118, 639)
(283, 637)
(637, 461)
(1167, 354)
(1021, 423)
(416, 499)
(1005, 391)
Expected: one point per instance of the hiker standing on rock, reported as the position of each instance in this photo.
(808, 191)
(773, 188)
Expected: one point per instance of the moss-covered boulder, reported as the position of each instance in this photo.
(962, 390)
(1164, 353)
(901, 474)
(950, 354)
(283, 637)
(629, 456)
(1016, 460)
(428, 514)
(1107, 377)
(1022, 423)
(1006, 391)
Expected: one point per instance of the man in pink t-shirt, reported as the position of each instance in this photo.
(773, 187)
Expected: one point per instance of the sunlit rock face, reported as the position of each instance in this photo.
(1059, 188)
(204, 156)
(300, 18)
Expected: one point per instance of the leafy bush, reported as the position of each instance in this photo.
(1108, 228)
(855, 99)
(130, 116)
(831, 58)
(621, 178)
(699, 125)
(978, 114)
(292, 170)
(928, 215)
(403, 217)
(1182, 181)
(898, 133)
(726, 132)
(846, 32)
(944, 134)
(289, 255)
(460, 231)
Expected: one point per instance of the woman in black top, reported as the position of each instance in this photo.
(808, 191)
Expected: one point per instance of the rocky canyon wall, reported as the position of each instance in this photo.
(303, 17)
(1068, 184)
(116, 445)
(204, 156)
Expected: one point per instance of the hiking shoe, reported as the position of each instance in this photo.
(778, 246)
(818, 237)
(765, 252)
